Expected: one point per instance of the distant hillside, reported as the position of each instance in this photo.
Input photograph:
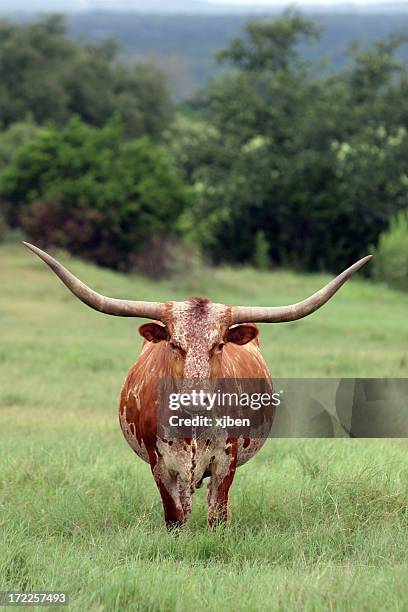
(136, 6)
(195, 7)
(185, 44)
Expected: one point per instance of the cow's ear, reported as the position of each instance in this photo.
(242, 334)
(154, 332)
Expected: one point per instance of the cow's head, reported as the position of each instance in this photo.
(195, 332)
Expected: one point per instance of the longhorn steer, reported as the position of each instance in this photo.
(194, 340)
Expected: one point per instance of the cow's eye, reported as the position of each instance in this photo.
(179, 349)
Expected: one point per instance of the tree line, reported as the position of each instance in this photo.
(272, 163)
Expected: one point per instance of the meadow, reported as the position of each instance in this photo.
(315, 524)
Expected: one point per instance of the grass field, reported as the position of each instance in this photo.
(315, 524)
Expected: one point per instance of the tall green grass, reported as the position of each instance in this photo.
(315, 524)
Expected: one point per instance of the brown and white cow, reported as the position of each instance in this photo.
(195, 340)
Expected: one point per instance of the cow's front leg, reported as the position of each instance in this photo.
(167, 483)
(223, 468)
(185, 493)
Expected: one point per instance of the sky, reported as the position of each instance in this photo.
(302, 2)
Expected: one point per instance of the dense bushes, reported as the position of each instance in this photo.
(391, 260)
(92, 192)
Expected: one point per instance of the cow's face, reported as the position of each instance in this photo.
(196, 332)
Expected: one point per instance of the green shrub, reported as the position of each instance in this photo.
(260, 258)
(391, 260)
(13, 137)
(3, 228)
(92, 192)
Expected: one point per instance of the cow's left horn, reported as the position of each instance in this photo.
(110, 306)
(284, 314)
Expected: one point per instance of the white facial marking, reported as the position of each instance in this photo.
(198, 326)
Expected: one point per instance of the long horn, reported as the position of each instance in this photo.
(284, 314)
(106, 305)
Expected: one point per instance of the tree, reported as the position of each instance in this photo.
(270, 45)
(315, 162)
(46, 75)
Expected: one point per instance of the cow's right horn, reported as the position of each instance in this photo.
(106, 305)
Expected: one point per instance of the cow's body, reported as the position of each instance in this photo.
(178, 465)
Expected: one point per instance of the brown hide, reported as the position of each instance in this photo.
(183, 464)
